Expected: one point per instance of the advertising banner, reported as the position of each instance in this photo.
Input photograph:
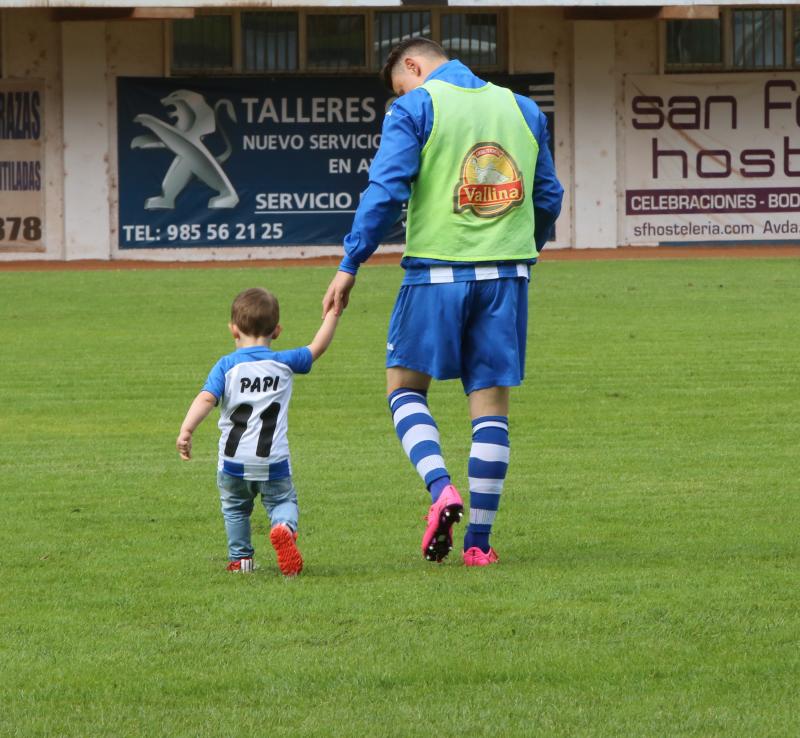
(244, 161)
(21, 165)
(711, 158)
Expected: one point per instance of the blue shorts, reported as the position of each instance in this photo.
(472, 330)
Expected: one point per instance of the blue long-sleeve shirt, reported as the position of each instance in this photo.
(406, 128)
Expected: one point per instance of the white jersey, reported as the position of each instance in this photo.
(253, 387)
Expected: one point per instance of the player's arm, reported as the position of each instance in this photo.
(324, 335)
(391, 173)
(201, 406)
(547, 190)
(394, 168)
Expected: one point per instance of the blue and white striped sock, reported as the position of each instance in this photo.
(419, 435)
(488, 463)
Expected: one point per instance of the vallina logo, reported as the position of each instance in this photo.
(194, 119)
(490, 183)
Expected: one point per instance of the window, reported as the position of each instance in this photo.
(336, 41)
(796, 38)
(274, 42)
(203, 42)
(392, 27)
(269, 42)
(741, 40)
(694, 43)
(758, 36)
(471, 37)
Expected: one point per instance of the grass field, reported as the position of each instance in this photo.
(648, 530)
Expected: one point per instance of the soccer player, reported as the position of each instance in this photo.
(473, 162)
(253, 387)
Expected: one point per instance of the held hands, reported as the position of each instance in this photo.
(338, 294)
(184, 444)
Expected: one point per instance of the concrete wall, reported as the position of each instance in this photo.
(139, 54)
(594, 174)
(541, 41)
(87, 132)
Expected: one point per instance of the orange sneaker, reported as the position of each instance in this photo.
(241, 565)
(282, 538)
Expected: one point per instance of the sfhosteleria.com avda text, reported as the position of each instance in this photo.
(767, 228)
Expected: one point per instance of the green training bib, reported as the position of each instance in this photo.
(472, 199)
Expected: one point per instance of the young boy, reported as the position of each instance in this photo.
(253, 386)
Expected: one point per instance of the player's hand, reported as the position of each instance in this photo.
(184, 445)
(338, 293)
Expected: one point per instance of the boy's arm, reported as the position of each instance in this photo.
(201, 406)
(324, 335)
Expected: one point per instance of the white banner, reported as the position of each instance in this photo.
(21, 165)
(711, 158)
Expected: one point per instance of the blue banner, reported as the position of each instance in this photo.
(245, 161)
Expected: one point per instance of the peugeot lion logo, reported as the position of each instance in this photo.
(194, 119)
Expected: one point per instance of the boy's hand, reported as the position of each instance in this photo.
(200, 407)
(184, 445)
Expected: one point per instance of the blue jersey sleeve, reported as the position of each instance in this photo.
(299, 360)
(395, 166)
(547, 190)
(215, 384)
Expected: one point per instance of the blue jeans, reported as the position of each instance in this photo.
(237, 496)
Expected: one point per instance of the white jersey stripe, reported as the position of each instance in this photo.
(441, 274)
(486, 272)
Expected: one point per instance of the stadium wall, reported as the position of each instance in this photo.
(77, 65)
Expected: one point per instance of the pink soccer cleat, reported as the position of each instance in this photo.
(241, 565)
(437, 541)
(475, 557)
(290, 562)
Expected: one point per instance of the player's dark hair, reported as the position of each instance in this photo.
(255, 312)
(416, 45)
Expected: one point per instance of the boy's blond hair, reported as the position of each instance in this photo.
(255, 312)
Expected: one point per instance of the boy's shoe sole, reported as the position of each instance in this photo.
(475, 557)
(437, 541)
(290, 562)
(242, 565)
